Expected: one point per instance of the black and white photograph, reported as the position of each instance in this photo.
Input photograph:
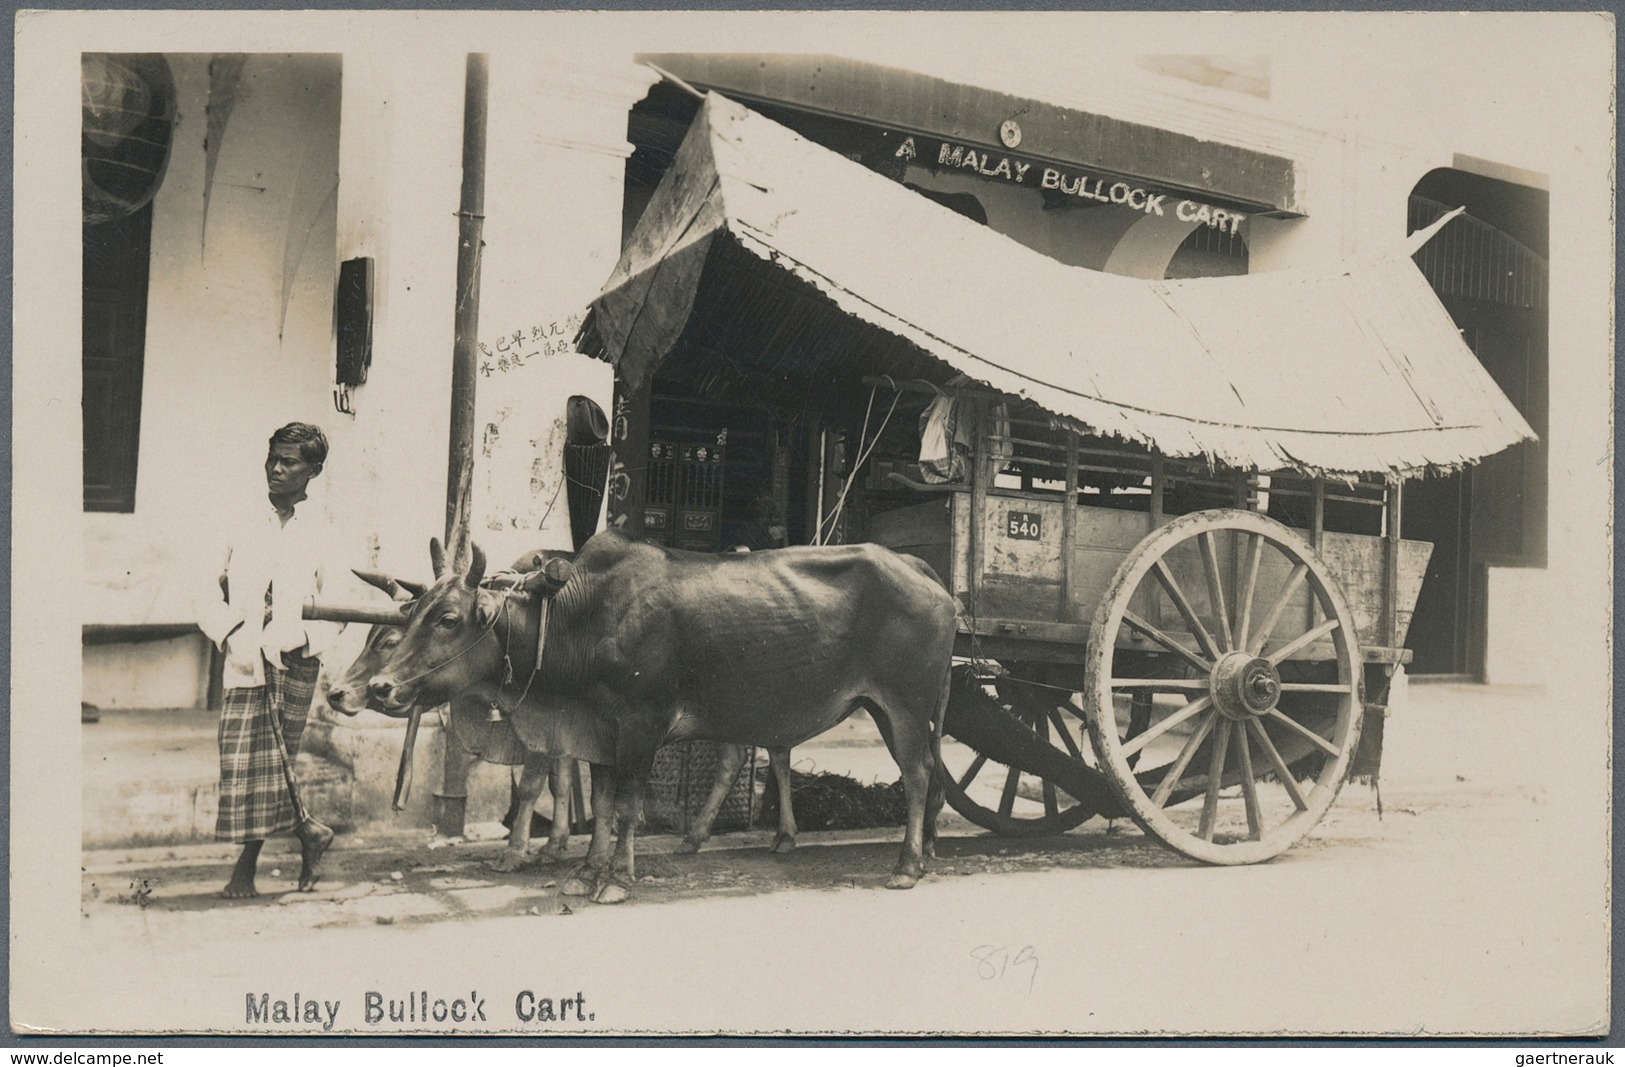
(819, 524)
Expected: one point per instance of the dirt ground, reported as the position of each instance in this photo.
(1475, 903)
(409, 878)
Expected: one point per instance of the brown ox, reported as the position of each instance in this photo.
(471, 727)
(641, 645)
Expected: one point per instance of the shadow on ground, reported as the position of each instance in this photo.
(415, 884)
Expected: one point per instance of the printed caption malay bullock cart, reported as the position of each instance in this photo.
(1170, 511)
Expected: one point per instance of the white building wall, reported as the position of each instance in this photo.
(401, 163)
(218, 377)
(555, 171)
(218, 382)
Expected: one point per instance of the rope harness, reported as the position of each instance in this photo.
(506, 591)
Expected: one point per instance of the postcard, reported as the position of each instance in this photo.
(812, 523)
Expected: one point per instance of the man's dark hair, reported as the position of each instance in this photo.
(310, 439)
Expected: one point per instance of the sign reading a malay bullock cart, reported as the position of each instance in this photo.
(1067, 181)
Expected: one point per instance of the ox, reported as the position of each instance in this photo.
(633, 646)
(472, 728)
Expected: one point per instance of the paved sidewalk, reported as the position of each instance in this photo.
(150, 776)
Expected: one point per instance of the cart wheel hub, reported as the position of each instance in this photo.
(1245, 686)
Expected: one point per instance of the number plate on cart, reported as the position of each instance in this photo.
(1024, 526)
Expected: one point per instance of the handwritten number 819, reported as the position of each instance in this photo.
(994, 962)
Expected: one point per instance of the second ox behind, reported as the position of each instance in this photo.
(633, 646)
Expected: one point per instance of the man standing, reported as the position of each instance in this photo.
(253, 609)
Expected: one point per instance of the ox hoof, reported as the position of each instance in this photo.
(611, 893)
(509, 860)
(688, 846)
(783, 843)
(580, 881)
(550, 856)
(900, 880)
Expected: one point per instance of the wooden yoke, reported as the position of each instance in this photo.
(318, 611)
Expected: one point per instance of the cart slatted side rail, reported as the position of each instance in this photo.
(1028, 568)
(1019, 592)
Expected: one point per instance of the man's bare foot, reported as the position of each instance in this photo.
(241, 886)
(313, 841)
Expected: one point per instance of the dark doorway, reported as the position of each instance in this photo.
(116, 258)
(1489, 269)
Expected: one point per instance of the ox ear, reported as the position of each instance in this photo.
(417, 589)
(476, 567)
(437, 557)
(552, 577)
(486, 606)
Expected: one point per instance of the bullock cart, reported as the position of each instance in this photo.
(1183, 592)
(1197, 649)
(1170, 511)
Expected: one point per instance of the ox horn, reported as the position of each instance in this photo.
(437, 557)
(394, 587)
(476, 566)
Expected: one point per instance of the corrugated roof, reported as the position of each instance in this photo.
(1360, 370)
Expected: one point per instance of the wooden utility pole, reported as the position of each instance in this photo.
(465, 350)
(451, 802)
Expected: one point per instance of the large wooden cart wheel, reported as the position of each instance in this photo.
(1223, 686)
(999, 745)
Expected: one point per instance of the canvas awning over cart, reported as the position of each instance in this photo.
(777, 260)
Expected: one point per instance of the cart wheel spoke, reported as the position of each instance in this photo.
(1167, 642)
(1307, 734)
(1249, 587)
(975, 768)
(1165, 788)
(1215, 778)
(1215, 588)
(1315, 687)
(1163, 685)
(1195, 707)
(1302, 641)
(1249, 787)
(1007, 802)
(1171, 586)
(1294, 582)
(1288, 782)
(1065, 734)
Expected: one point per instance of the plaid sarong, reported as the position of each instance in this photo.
(254, 800)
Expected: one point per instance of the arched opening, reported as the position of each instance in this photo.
(1489, 269)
